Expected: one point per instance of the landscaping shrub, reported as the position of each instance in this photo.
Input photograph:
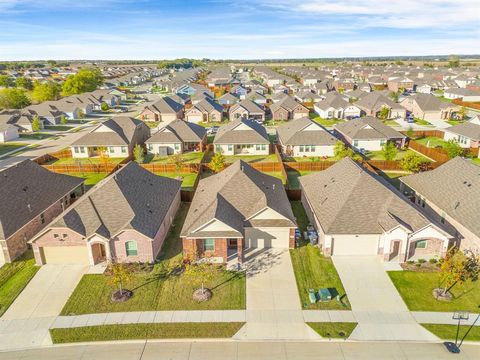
(422, 261)
(433, 261)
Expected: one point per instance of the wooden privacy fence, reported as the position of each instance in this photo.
(308, 165)
(424, 133)
(473, 105)
(45, 158)
(82, 168)
(267, 166)
(166, 168)
(433, 153)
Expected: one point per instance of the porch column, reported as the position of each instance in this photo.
(240, 250)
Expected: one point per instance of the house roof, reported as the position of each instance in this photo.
(207, 105)
(468, 129)
(333, 100)
(178, 131)
(428, 102)
(165, 105)
(131, 198)
(375, 101)
(287, 102)
(248, 105)
(27, 190)
(294, 133)
(242, 131)
(368, 128)
(454, 187)
(235, 195)
(347, 199)
(123, 130)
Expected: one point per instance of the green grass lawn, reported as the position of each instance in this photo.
(455, 122)
(325, 122)
(313, 270)
(158, 290)
(449, 332)
(416, 290)
(188, 158)
(392, 177)
(277, 174)
(90, 178)
(10, 146)
(14, 277)
(58, 127)
(476, 161)
(422, 122)
(391, 123)
(275, 123)
(188, 179)
(293, 176)
(378, 155)
(250, 158)
(145, 331)
(36, 136)
(212, 123)
(86, 161)
(308, 159)
(333, 329)
(431, 141)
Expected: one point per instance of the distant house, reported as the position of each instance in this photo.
(239, 91)
(164, 110)
(242, 137)
(466, 95)
(124, 218)
(117, 136)
(307, 97)
(8, 131)
(304, 137)
(46, 112)
(288, 109)
(467, 134)
(395, 84)
(36, 196)
(177, 137)
(192, 88)
(257, 98)
(335, 106)
(228, 99)
(429, 107)
(246, 109)
(205, 111)
(357, 213)
(368, 133)
(237, 210)
(373, 103)
(450, 194)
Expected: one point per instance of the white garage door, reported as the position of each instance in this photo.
(195, 118)
(267, 238)
(65, 254)
(355, 245)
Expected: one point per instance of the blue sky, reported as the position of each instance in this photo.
(236, 29)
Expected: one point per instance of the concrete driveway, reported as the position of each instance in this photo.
(273, 305)
(376, 304)
(28, 319)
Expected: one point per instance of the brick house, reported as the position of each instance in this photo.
(165, 109)
(287, 109)
(237, 210)
(31, 197)
(429, 107)
(246, 109)
(125, 218)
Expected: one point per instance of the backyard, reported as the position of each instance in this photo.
(187, 158)
(314, 271)
(392, 177)
(431, 141)
(293, 176)
(277, 174)
(14, 277)
(251, 158)
(159, 289)
(91, 178)
(378, 155)
(188, 179)
(416, 288)
(11, 146)
(86, 161)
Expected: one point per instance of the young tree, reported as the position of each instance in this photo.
(393, 96)
(458, 267)
(46, 91)
(453, 61)
(412, 162)
(384, 113)
(121, 276)
(389, 151)
(200, 273)
(453, 149)
(13, 98)
(138, 154)
(63, 120)
(340, 150)
(218, 162)
(36, 124)
(177, 160)
(462, 113)
(25, 83)
(104, 107)
(6, 81)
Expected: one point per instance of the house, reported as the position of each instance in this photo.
(204, 111)
(237, 210)
(467, 134)
(192, 88)
(116, 136)
(46, 112)
(288, 109)
(423, 88)
(8, 130)
(373, 103)
(177, 137)
(356, 212)
(257, 98)
(466, 95)
(164, 110)
(228, 99)
(242, 137)
(124, 218)
(335, 106)
(428, 107)
(239, 91)
(450, 194)
(307, 96)
(369, 134)
(31, 197)
(304, 137)
(21, 120)
(400, 83)
(246, 109)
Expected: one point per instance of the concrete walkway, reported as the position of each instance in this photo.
(378, 308)
(273, 305)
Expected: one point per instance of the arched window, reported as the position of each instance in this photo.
(131, 248)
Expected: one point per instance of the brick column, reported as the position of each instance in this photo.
(291, 241)
(240, 250)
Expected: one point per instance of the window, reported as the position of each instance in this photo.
(209, 244)
(355, 143)
(218, 148)
(111, 149)
(302, 148)
(258, 147)
(82, 149)
(230, 147)
(75, 150)
(124, 149)
(312, 148)
(131, 248)
(55, 236)
(264, 147)
(382, 142)
(421, 244)
(150, 147)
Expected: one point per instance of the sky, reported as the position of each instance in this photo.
(235, 29)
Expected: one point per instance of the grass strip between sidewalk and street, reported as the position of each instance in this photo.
(449, 332)
(333, 329)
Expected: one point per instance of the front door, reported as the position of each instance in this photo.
(232, 243)
(395, 250)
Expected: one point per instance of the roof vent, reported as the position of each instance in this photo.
(273, 187)
(457, 205)
(29, 207)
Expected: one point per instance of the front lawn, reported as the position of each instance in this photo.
(36, 136)
(58, 127)
(333, 329)
(431, 141)
(251, 158)
(86, 161)
(145, 331)
(91, 179)
(187, 158)
(449, 332)
(455, 122)
(158, 289)
(212, 123)
(11, 146)
(391, 123)
(14, 277)
(476, 161)
(416, 288)
(188, 179)
(314, 271)
(422, 122)
(325, 122)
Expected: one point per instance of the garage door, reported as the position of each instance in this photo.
(195, 118)
(65, 254)
(353, 245)
(267, 238)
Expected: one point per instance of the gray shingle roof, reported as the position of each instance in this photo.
(230, 134)
(454, 187)
(234, 195)
(368, 128)
(291, 133)
(472, 131)
(250, 106)
(178, 131)
(27, 190)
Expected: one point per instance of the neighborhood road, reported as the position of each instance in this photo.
(231, 350)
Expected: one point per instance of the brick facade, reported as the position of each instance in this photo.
(291, 239)
(434, 248)
(193, 248)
